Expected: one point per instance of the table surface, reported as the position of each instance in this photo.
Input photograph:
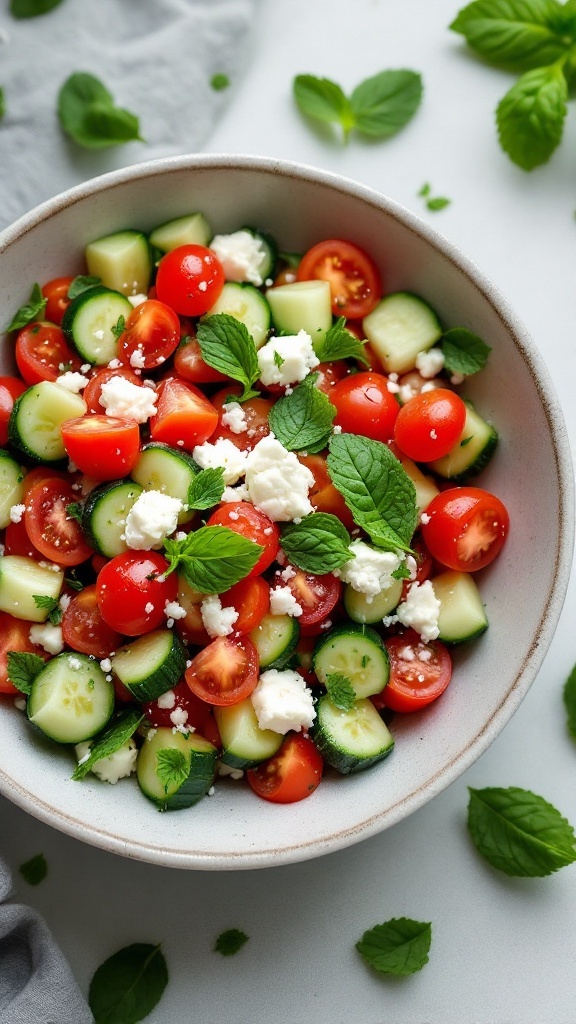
(502, 949)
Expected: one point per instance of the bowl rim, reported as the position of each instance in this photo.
(377, 822)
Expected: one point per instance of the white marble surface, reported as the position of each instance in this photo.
(502, 949)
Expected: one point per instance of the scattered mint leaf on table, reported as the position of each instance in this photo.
(378, 107)
(206, 489)
(88, 114)
(340, 690)
(230, 942)
(437, 203)
(82, 283)
(30, 311)
(227, 346)
(32, 8)
(2, 103)
(519, 832)
(219, 82)
(302, 421)
(23, 669)
(34, 870)
(116, 734)
(399, 946)
(339, 343)
(464, 352)
(569, 695)
(213, 558)
(530, 117)
(128, 985)
(318, 544)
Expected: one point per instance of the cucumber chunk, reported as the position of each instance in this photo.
(472, 451)
(36, 418)
(21, 579)
(150, 665)
(352, 740)
(245, 303)
(192, 229)
(356, 652)
(302, 306)
(122, 261)
(401, 326)
(424, 485)
(275, 639)
(175, 770)
(70, 699)
(462, 615)
(361, 610)
(165, 469)
(89, 323)
(104, 515)
(244, 743)
(11, 486)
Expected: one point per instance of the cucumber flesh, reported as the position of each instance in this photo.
(245, 303)
(472, 451)
(462, 614)
(401, 326)
(122, 261)
(356, 652)
(11, 486)
(21, 579)
(361, 610)
(302, 306)
(71, 699)
(175, 770)
(90, 320)
(275, 639)
(192, 229)
(165, 469)
(351, 741)
(244, 743)
(150, 665)
(104, 516)
(36, 418)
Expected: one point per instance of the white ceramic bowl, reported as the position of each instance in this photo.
(523, 590)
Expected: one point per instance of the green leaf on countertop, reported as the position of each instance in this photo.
(23, 669)
(318, 544)
(464, 352)
(227, 346)
(88, 114)
(569, 696)
(128, 985)
(114, 736)
(324, 100)
(32, 8)
(2, 103)
(302, 420)
(437, 203)
(29, 312)
(378, 107)
(399, 946)
(517, 35)
(34, 870)
(530, 117)
(230, 942)
(219, 82)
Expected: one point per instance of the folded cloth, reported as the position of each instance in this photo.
(36, 984)
(156, 57)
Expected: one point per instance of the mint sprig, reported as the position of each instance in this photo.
(464, 352)
(303, 420)
(206, 489)
(23, 669)
(51, 605)
(399, 946)
(227, 346)
(318, 544)
(30, 311)
(339, 343)
(378, 107)
(212, 558)
(116, 734)
(89, 115)
(530, 117)
(128, 985)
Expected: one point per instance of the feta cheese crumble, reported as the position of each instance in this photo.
(282, 701)
(222, 453)
(277, 482)
(120, 397)
(16, 513)
(218, 621)
(370, 570)
(234, 417)
(118, 765)
(47, 636)
(74, 382)
(152, 518)
(283, 602)
(241, 255)
(430, 362)
(295, 354)
(420, 610)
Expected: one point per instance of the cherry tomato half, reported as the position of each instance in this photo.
(56, 294)
(316, 595)
(224, 672)
(251, 599)
(256, 412)
(93, 389)
(353, 276)
(465, 528)
(198, 713)
(10, 389)
(323, 495)
(42, 351)
(55, 533)
(84, 629)
(132, 591)
(291, 775)
(419, 672)
(189, 364)
(14, 636)
(190, 279)
(365, 405)
(250, 522)
(429, 424)
(184, 416)
(103, 447)
(150, 335)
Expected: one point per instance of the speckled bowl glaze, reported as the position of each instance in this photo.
(523, 590)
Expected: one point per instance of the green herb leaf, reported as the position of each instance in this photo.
(324, 100)
(30, 311)
(23, 669)
(519, 833)
(515, 34)
(82, 283)
(400, 946)
(376, 488)
(401, 573)
(206, 488)
(425, 190)
(318, 544)
(116, 734)
(278, 360)
(338, 343)
(213, 558)
(530, 117)
(227, 346)
(88, 114)
(2, 103)
(303, 420)
(172, 768)
(340, 690)
(464, 352)
(73, 582)
(52, 607)
(32, 8)
(119, 326)
(569, 695)
(75, 510)
(128, 985)
(437, 203)
(34, 870)
(383, 104)
(219, 82)
(229, 942)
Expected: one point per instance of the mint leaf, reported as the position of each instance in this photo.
(530, 117)
(437, 203)
(52, 607)
(515, 34)
(30, 311)
(464, 352)
(324, 100)
(400, 946)
(206, 488)
(303, 420)
(23, 669)
(172, 768)
(88, 114)
(128, 985)
(75, 510)
(340, 690)
(230, 942)
(32, 8)
(34, 870)
(82, 283)
(213, 558)
(519, 833)
(278, 360)
(116, 734)
(219, 82)
(227, 346)
(401, 573)
(569, 696)
(319, 544)
(338, 343)
(376, 489)
(2, 103)
(383, 104)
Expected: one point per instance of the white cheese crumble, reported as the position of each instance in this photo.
(152, 518)
(370, 570)
(116, 766)
(283, 602)
(241, 256)
(47, 636)
(282, 701)
(120, 397)
(277, 482)
(430, 362)
(420, 610)
(16, 513)
(173, 610)
(71, 381)
(295, 354)
(234, 417)
(137, 300)
(179, 719)
(137, 359)
(239, 493)
(166, 700)
(218, 621)
(222, 453)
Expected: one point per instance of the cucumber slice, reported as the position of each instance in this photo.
(193, 229)
(174, 769)
(462, 614)
(104, 515)
(23, 578)
(275, 639)
(162, 468)
(70, 699)
(36, 418)
(244, 743)
(350, 740)
(150, 665)
(472, 451)
(401, 326)
(245, 303)
(356, 652)
(11, 486)
(122, 261)
(302, 306)
(89, 323)
(361, 610)
(425, 487)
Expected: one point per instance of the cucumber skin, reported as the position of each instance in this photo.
(162, 679)
(344, 764)
(15, 439)
(200, 777)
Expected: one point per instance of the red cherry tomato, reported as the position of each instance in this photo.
(43, 473)
(424, 563)
(184, 416)
(465, 528)
(329, 374)
(323, 495)
(17, 542)
(429, 425)
(55, 533)
(10, 389)
(199, 714)
(42, 353)
(256, 411)
(103, 447)
(150, 335)
(251, 599)
(419, 672)
(224, 672)
(190, 279)
(132, 592)
(316, 595)
(292, 774)
(56, 293)
(93, 389)
(84, 629)
(191, 628)
(365, 406)
(14, 636)
(249, 522)
(189, 364)
(353, 276)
